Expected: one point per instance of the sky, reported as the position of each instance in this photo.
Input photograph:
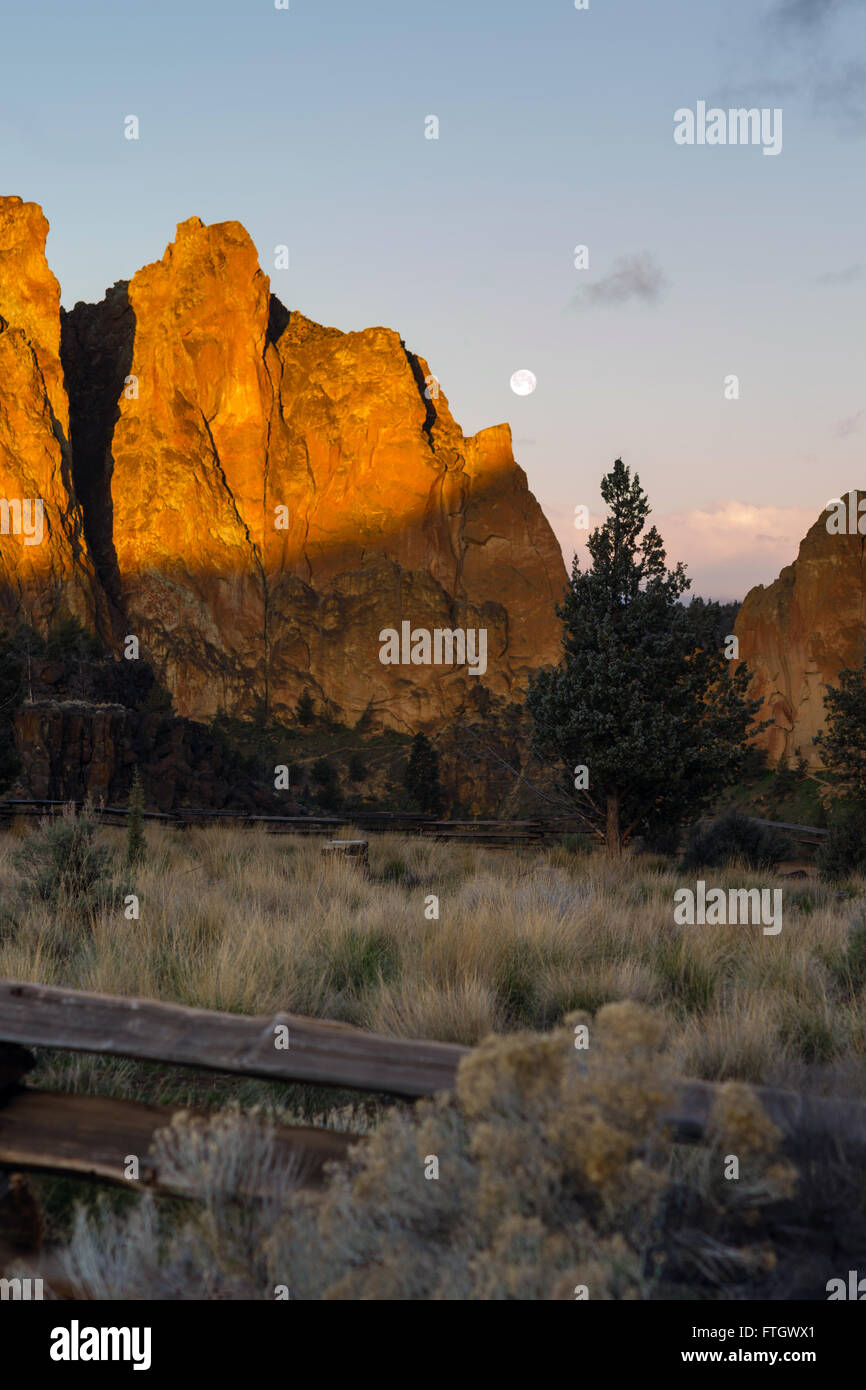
(556, 127)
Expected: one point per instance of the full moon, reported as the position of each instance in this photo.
(523, 382)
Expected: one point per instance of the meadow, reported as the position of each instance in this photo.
(525, 943)
(248, 922)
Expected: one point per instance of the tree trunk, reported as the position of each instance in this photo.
(612, 837)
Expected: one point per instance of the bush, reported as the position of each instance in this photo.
(305, 710)
(136, 840)
(734, 838)
(60, 864)
(357, 769)
(324, 776)
(362, 959)
(555, 1176)
(844, 850)
(422, 777)
(661, 839)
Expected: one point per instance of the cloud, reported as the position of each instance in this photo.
(806, 15)
(847, 276)
(728, 547)
(638, 276)
(843, 428)
(805, 49)
(842, 92)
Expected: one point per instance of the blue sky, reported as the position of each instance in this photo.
(556, 129)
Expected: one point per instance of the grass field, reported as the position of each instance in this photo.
(242, 921)
(246, 922)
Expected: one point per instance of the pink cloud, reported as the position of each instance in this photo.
(727, 547)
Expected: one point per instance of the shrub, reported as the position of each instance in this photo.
(305, 710)
(357, 769)
(844, 850)
(60, 864)
(661, 839)
(362, 959)
(555, 1175)
(733, 838)
(422, 776)
(324, 776)
(136, 842)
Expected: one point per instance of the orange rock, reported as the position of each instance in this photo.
(284, 491)
(799, 632)
(44, 568)
(262, 495)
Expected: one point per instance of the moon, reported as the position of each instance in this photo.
(523, 382)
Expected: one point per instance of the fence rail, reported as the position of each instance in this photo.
(501, 833)
(277, 1047)
(94, 1136)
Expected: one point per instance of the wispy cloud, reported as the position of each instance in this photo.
(843, 429)
(638, 276)
(728, 546)
(806, 15)
(842, 92)
(849, 276)
(811, 46)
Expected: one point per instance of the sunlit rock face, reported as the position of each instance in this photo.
(262, 496)
(44, 569)
(797, 634)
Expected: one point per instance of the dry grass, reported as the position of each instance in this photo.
(553, 1171)
(553, 1179)
(246, 922)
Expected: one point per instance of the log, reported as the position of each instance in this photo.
(323, 1054)
(91, 1137)
(816, 1119)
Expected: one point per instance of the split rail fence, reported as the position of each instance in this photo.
(83, 1136)
(90, 1136)
(493, 833)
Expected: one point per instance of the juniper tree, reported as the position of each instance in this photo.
(422, 776)
(305, 709)
(643, 696)
(843, 742)
(136, 841)
(11, 695)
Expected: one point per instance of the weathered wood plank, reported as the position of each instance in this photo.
(91, 1136)
(816, 1119)
(325, 1054)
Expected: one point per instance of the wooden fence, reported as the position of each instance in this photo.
(92, 1136)
(88, 1135)
(493, 833)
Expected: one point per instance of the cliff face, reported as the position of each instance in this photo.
(797, 634)
(44, 567)
(260, 495)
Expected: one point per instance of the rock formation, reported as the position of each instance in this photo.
(44, 568)
(259, 496)
(797, 634)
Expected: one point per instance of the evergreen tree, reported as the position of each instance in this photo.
(11, 695)
(843, 742)
(136, 841)
(305, 710)
(643, 697)
(422, 776)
